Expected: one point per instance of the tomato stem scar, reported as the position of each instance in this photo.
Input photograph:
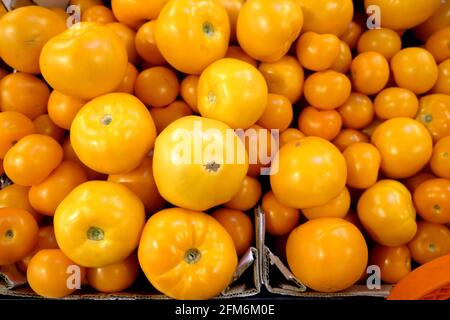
(192, 256)
(9, 234)
(95, 233)
(208, 29)
(106, 119)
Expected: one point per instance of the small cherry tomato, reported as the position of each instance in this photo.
(387, 42)
(248, 195)
(432, 200)
(357, 112)
(280, 220)
(325, 124)
(16, 196)
(347, 137)
(289, 135)
(443, 82)
(157, 86)
(278, 113)
(352, 34)
(413, 182)
(434, 113)
(45, 126)
(32, 159)
(261, 146)
(438, 44)
(344, 60)
(370, 72)
(284, 77)
(13, 127)
(99, 14)
(336, 208)
(363, 163)
(188, 91)
(394, 262)
(327, 89)
(440, 160)
(414, 69)
(317, 52)
(115, 277)
(127, 35)
(62, 109)
(430, 242)
(145, 44)
(396, 103)
(165, 116)
(128, 83)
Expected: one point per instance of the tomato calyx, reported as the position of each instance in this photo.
(106, 119)
(192, 256)
(212, 166)
(9, 234)
(95, 233)
(211, 97)
(208, 29)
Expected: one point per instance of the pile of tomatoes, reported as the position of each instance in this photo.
(354, 122)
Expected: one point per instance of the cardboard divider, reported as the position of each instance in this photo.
(278, 279)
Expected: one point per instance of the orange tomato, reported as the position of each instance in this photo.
(62, 109)
(438, 44)
(24, 93)
(278, 113)
(267, 29)
(363, 163)
(200, 25)
(128, 82)
(325, 124)
(396, 103)
(157, 86)
(336, 208)
(13, 127)
(347, 137)
(443, 82)
(327, 254)
(109, 127)
(49, 273)
(127, 35)
(165, 116)
(187, 254)
(248, 195)
(115, 277)
(370, 72)
(327, 89)
(15, 196)
(357, 112)
(236, 52)
(317, 52)
(145, 44)
(142, 183)
(233, 8)
(44, 125)
(238, 225)
(322, 16)
(135, 12)
(85, 4)
(99, 14)
(284, 77)
(19, 234)
(46, 240)
(414, 69)
(394, 262)
(228, 84)
(432, 200)
(352, 34)
(387, 213)
(405, 146)
(289, 135)
(90, 74)
(32, 159)
(308, 173)
(23, 33)
(440, 160)
(430, 242)
(400, 15)
(440, 19)
(416, 180)
(387, 42)
(261, 147)
(47, 195)
(279, 219)
(188, 91)
(344, 60)
(435, 114)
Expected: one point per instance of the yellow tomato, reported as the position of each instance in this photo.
(193, 149)
(414, 69)
(267, 29)
(113, 133)
(165, 116)
(440, 160)
(327, 16)
(85, 61)
(227, 85)
(187, 254)
(284, 77)
(327, 255)
(99, 223)
(135, 12)
(191, 34)
(344, 60)
(387, 42)
(405, 146)
(438, 44)
(145, 44)
(443, 83)
(317, 52)
(394, 262)
(62, 109)
(401, 15)
(233, 8)
(308, 173)
(395, 103)
(23, 33)
(387, 212)
(434, 113)
(370, 72)
(278, 113)
(363, 163)
(127, 35)
(336, 208)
